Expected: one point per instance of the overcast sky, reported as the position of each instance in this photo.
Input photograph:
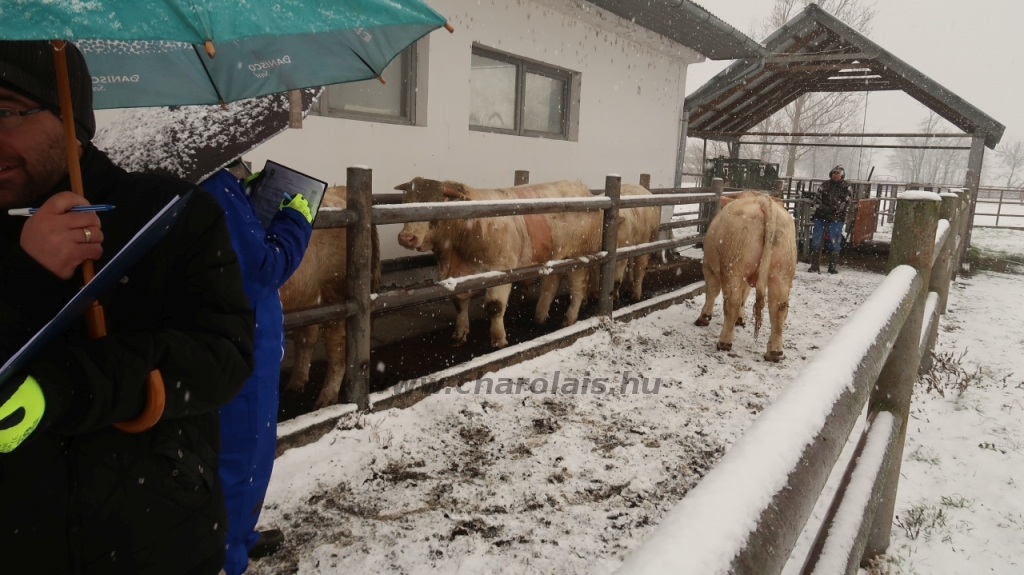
(975, 48)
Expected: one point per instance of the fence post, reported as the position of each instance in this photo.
(609, 244)
(645, 181)
(940, 277)
(913, 244)
(963, 222)
(952, 210)
(522, 177)
(999, 208)
(358, 271)
(717, 188)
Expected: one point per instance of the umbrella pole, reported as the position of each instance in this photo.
(96, 325)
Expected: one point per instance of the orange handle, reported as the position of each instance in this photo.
(155, 399)
(95, 322)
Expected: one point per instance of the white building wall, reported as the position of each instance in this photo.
(632, 89)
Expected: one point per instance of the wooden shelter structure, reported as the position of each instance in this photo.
(817, 52)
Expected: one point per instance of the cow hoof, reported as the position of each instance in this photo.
(773, 356)
(498, 344)
(323, 401)
(740, 322)
(724, 346)
(458, 341)
(703, 320)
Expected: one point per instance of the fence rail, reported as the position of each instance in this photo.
(746, 515)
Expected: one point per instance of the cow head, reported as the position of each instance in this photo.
(418, 235)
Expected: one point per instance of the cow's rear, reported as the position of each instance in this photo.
(750, 244)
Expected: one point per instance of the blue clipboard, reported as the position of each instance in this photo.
(138, 246)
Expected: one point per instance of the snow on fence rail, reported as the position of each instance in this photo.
(361, 213)
(746, 515)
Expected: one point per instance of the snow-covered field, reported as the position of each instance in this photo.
(1009, 208)
(997, 243)
(571, 482)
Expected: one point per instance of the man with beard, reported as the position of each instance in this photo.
(76, 494)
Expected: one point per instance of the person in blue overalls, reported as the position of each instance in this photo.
(268, 256)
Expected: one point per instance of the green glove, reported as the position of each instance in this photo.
(299, 204)
(21, 409)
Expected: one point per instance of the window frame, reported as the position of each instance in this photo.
(526, 66)
(324, 110)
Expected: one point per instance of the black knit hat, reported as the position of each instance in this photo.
(26, 67)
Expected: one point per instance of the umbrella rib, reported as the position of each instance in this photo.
(367, 64)
(207, 70)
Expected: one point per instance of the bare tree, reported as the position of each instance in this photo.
(1011, 159)
(928, 166)
(817, 112)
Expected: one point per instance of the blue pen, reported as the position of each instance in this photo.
(92, 208)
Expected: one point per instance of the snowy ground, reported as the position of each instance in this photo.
(541, 482)
(571, 482)
(997, 243)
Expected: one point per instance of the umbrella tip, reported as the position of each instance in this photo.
(449, 28)
(210, 50)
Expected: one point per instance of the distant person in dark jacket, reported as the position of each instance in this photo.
(248, 424)
(830, 204)
(77, 495)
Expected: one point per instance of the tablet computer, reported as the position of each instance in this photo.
(275, 181)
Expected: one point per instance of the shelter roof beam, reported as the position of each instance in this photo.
(815, 58)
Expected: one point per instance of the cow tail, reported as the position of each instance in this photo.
(764, 268)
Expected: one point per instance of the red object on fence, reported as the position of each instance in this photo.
(864, 221)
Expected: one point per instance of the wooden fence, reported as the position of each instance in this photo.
(746, 515)
(361, 212)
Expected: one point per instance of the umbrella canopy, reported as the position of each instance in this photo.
(158, 53)
(193, 142)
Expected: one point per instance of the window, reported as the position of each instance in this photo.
(512, 95)
(392, 102)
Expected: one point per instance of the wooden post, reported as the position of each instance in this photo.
(295, 109)
(717, 188)
(779, 188)
(951, 210)
(522, 177)
(913, 243)
(609, 244)
(961, 229)
(940, 276)
(645, 181)
(357, 326)
(999, 208)
(974, 164)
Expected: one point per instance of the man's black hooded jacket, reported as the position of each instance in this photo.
(79, 496)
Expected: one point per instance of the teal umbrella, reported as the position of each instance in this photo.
(180, 52)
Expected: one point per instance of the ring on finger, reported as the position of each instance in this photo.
(88, 235)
